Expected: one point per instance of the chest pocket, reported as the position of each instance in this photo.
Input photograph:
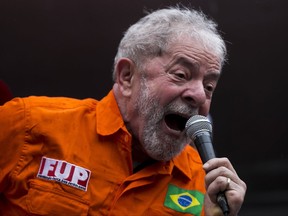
(44, 201)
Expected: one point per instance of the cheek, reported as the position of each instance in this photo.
(204, 109)
(167, 93)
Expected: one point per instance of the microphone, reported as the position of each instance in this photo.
(199, 129)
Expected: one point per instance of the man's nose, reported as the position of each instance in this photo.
(194, 93)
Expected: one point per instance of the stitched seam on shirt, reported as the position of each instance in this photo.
(24, 146)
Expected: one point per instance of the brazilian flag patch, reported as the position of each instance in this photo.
(182, 200)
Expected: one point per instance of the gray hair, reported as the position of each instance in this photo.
(152, 35)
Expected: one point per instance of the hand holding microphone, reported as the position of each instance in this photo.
(199, 129)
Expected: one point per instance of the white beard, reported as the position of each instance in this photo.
(158, 144)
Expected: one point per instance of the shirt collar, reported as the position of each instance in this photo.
(184, 160)
(109, 119)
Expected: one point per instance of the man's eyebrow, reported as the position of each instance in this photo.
(213, 75)
(195, 66)
(187, 63)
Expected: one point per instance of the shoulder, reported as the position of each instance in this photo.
(44, 102)
(58, 112)
(58, 102)
(36, 110)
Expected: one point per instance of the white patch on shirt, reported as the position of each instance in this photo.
(64, 172)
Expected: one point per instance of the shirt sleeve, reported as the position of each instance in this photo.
(12, 139)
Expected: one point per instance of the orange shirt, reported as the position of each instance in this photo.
(63, 156)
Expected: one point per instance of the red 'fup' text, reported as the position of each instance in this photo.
(64, 172)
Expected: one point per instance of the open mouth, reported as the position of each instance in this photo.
(175, 122)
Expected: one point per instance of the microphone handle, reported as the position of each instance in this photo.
(205, 148)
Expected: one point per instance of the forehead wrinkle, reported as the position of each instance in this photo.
(206, 59)
(196, 53)
(189, 63)
(213, 72)
(181, 59)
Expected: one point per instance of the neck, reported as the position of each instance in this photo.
(138, 153)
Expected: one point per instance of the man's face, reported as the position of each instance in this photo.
(174, 87)
(162, 134)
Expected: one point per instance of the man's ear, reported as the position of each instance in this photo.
(125, 70)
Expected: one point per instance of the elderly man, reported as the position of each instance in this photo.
(127, 154)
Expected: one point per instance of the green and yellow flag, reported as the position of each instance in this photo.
(182, 200)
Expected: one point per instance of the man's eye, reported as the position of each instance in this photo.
(180, 74)
(210, 87)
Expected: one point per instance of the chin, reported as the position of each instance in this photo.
(163, 156)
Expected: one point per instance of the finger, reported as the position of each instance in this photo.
(234, 192)
(218, 162)
(220, 184)
(220, 172)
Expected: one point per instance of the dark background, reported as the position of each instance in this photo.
(67, 47)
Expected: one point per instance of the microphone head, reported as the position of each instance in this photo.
(197, 124)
